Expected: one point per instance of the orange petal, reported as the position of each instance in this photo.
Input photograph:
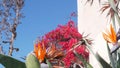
(36, 50)
(107, 38)
(110, 36)
(113, 33)
(40, 51)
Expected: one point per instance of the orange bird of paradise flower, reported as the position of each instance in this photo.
(53, 52)
(50, 53)
(40, 51)
(110, 35)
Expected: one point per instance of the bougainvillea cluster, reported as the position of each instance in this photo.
(65, 37)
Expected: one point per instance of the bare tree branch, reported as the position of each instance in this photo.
(10, 15)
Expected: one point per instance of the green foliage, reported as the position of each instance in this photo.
(111, 57)
(49, 64)
(32, 61)
(9, 62)
(118, 62)
(85, 63)
(102, 61)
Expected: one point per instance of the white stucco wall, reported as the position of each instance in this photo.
(91, 21)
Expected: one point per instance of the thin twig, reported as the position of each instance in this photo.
(1, 50)
(11, 48)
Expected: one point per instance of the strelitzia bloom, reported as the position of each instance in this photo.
(53, 52)
(110, 35)
(113, 38)
(40, 51)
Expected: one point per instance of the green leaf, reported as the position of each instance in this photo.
(102, 61)
(32, 61)
(9, 62)
(118, 62)
(80, 57)
(117, 18)
(49, 64)
(110, 57)
(97, 57)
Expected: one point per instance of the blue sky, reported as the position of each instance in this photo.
(41, 16)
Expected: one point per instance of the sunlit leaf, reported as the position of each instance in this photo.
(32, 61)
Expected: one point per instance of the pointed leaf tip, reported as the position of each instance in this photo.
(32, 61)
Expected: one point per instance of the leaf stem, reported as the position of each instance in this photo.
(110, 57)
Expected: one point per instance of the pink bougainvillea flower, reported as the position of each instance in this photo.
(69, 58)
(61, 40)
(82, 50)
(40, 51)
(110, 36)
